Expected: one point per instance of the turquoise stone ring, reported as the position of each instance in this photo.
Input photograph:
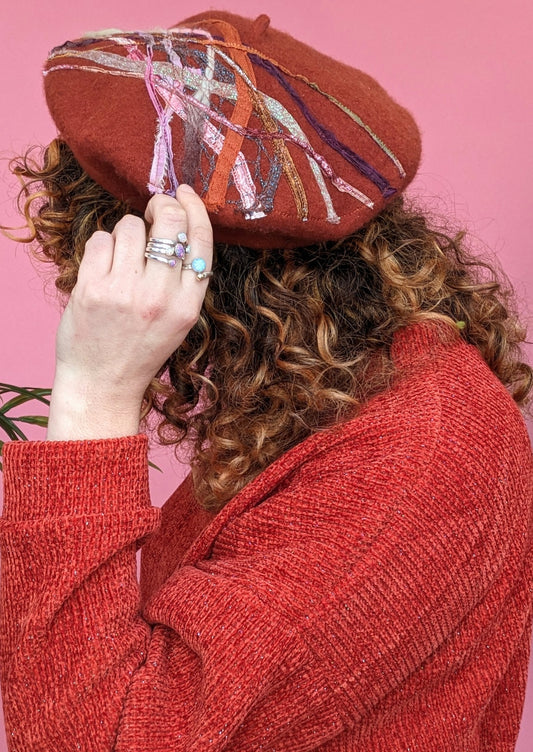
(198, 265)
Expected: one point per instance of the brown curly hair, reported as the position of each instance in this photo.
(289, 342)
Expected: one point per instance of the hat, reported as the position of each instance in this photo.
(285, 145)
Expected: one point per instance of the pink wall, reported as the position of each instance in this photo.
(463, 67)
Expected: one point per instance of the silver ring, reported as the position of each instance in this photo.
(170, 261)
(198, 265)
(161, 245)
(168, 247)
(162, 241)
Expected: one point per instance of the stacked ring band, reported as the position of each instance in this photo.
(168, 252)
(162, 246)
(182, 246)
(171, 261)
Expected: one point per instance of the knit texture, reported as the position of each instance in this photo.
(371, 590)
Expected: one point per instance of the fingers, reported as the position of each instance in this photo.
(171, 217)
(97, 259)
(129, 236)
(168, 221)
(120, 255)
(120, 252)
(200, 235)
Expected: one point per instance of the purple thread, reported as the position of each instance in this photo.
(326, 135)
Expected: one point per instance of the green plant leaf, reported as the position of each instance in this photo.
(14, 402)
(24, 395)
(22, 389)
(36, 420)
(12, 431)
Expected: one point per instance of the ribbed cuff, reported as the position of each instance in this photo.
(55, 478)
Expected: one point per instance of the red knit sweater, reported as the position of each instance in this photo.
(370, 591)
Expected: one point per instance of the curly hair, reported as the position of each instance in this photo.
(289, 342)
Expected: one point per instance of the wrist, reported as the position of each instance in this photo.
(82, 410)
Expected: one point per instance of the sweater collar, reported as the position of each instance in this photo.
(413, 346)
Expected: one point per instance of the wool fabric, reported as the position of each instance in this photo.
(371, 590)
(285, 145)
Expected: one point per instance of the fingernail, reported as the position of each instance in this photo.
(187, 188)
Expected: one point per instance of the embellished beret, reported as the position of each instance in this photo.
(285, 145)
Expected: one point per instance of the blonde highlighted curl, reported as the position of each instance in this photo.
(289, 342)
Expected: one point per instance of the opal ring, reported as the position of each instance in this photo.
(199, 266)
(167, 251)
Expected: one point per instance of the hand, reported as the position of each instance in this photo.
(125, 317)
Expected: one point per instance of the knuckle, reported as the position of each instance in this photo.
(172, 215)
(90, 297)
(158, 198)
(123, 303)
(191, 316)
(107, 296)
(151, 207)
(130, 223)
(99, 238)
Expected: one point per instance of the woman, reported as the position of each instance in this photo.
(348, 565)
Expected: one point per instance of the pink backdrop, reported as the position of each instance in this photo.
(463, 67)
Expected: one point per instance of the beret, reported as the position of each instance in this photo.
(285, 145)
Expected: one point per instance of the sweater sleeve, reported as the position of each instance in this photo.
(71, 632)
(83, 668)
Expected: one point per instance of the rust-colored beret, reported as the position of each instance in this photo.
(285, 145)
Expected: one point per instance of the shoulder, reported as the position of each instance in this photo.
(445, 438)
(421, 479)
(445, 406)
(445, 394)
(445, 423)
